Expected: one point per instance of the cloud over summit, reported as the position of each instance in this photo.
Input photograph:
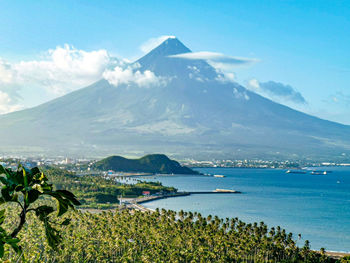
(217, 60)
(213, 56)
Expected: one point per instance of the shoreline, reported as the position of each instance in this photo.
(337, 254)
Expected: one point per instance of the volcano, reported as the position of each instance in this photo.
(194, 113)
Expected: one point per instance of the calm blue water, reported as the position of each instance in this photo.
(317, 206)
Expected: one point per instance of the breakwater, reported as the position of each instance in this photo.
(153, 198)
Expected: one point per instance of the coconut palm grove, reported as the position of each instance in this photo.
(161, 236)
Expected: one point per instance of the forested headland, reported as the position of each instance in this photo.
(152, 163)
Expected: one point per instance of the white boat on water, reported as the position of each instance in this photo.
(219, 175)
(319, 172)
(224, 191)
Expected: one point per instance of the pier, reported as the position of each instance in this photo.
(178, 194)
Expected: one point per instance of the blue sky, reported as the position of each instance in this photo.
(301, 45)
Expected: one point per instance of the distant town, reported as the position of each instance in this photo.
(259, 164)
(82, 164)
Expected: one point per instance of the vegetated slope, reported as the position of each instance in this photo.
(99, 192)
(161, 236)
(197, 113)
(153, 163)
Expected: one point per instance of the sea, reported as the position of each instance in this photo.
(316, 206)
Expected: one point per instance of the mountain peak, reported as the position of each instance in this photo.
(170, 46)
(160, 62)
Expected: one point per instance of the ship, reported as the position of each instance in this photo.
(219, 175)
(295, 171)
(320, 172)
(225, 191)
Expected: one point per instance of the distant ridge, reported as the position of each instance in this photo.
(152, 163)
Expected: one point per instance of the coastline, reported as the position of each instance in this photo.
(335, 251)
(337, 254)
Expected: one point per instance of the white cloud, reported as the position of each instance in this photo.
(240, 95)
(217, 60)
(57, 72)
(225, 76)
(63, 69)
(8, 103)
(223, 64)
(254, 85)
(6, 73)
(129, 75)
(153, 43)
(60, 70)
(276, 91)
(9, 97)
(213, 56)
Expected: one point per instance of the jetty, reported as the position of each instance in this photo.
(150, 198)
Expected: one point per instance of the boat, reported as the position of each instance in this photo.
(224, 191)
(219, 175)
(295, 171)
(319, 172)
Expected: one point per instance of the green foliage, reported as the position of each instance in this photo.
(153, 163)
(162, 236)
(95, 191)
(345, 259)
(24, 187)
(6, 238)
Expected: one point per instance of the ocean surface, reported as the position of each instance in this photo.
(316, 206)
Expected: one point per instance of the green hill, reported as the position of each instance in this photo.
(153, 163)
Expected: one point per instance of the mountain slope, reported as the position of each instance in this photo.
(153, 163)
(196, 114)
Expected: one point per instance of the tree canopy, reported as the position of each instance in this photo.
(24, 187)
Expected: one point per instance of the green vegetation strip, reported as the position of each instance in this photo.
(162, 236)
(98, 192)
